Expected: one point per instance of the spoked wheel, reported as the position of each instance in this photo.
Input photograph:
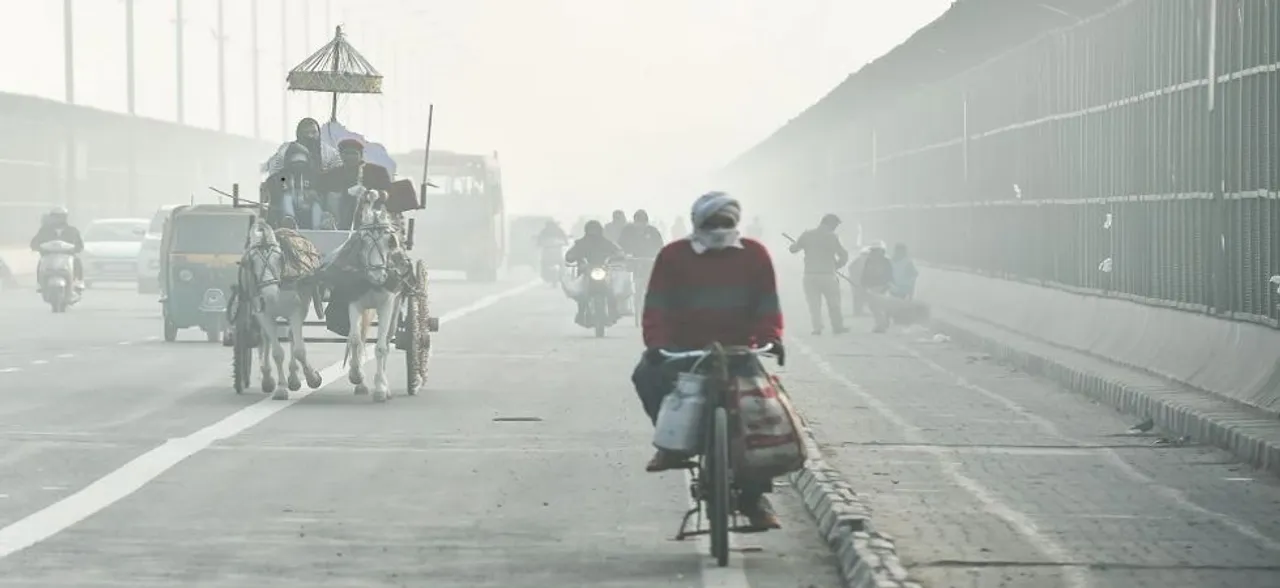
(417, 332)
(599, 308)
(242, 346)
(717, 488)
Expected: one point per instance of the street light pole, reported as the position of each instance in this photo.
(284, 63)
(257, 75)
(222, 71)
(130, 80)
(179, 24)
(69, 54)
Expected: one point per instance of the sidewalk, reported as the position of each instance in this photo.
(983, 475)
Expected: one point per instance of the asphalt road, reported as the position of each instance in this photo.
(127, 461)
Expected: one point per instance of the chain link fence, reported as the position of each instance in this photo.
(1135, 155)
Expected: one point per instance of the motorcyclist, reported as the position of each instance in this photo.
(642, 242)
(552, 237)
(678, 229)
(614, 229)
(593, 249)
(711, 286)
(57, 228)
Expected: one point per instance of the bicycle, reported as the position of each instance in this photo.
(712, 473)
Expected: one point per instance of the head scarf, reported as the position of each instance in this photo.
(709, 205)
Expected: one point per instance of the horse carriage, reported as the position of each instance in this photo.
(356, 277)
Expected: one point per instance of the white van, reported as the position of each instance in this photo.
(149, 255)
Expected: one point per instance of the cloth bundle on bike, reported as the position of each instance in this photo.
(765, 437)
(301, 258)
(767, 441)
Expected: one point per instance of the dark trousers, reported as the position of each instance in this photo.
(819, 288)
(654, 382)
(859, 301)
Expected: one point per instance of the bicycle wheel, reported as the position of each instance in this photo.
(718, 489)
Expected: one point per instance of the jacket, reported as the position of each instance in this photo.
(66, 233)
(643, 241)
(592, 249)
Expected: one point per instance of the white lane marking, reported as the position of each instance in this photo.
(1074, 576)
(66, 355)
(125, 343)
(152, 338)
(132, 476)
(9, 370)
(39, 361)
(1173, 494)
(714, 576)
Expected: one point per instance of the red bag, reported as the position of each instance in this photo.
(767, 442)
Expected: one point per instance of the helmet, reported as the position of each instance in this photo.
(58, 211)
(641, 216)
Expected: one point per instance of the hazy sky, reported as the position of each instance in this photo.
(609, 101)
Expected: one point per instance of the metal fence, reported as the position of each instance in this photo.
(102, 164)
(1135, 154)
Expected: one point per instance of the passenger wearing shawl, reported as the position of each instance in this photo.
(307, 134)
(711, 286)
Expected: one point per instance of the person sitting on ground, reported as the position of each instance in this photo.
(877, 278)
(904, 274)
(712, 286)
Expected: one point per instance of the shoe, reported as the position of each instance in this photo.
(663, 461)
(760, 514)
(839, 331)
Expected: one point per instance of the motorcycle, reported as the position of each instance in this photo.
(57, 275)
(599, 287)
(552, 254)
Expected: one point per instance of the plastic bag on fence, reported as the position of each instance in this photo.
(679, 426)
(768, 440)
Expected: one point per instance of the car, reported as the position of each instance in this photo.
(111, 248)
(149, 253)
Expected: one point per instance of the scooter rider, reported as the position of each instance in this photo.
(550, 241)
(56, 227)
(591, 250)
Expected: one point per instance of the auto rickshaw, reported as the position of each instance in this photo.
(199, 252)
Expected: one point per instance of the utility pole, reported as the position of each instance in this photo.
(129, 72)
(306, 44)
(222, 71)
(69, 53)
(179, 24)
(257, 75)
(284, 63)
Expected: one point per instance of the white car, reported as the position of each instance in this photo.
(111, 249)
(149, 254)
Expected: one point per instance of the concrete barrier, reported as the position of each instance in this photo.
(21, 261)
(1235, 360)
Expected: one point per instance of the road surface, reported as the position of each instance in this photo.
(127, 461)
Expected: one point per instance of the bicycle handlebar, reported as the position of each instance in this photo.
(765, 350)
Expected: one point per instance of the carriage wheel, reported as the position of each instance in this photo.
(417, 332)
(242, 346)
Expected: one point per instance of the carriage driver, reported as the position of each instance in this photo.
(346, 183)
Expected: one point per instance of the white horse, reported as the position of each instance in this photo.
(378, 244)
(262, 269)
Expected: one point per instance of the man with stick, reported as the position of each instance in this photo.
(824, 255)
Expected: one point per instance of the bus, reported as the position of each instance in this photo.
(463, 224)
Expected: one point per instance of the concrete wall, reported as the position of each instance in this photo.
(1233, 359)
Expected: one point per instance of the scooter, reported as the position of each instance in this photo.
(57, 275)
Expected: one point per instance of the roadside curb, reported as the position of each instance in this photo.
(1247, 433)
(866, 558)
